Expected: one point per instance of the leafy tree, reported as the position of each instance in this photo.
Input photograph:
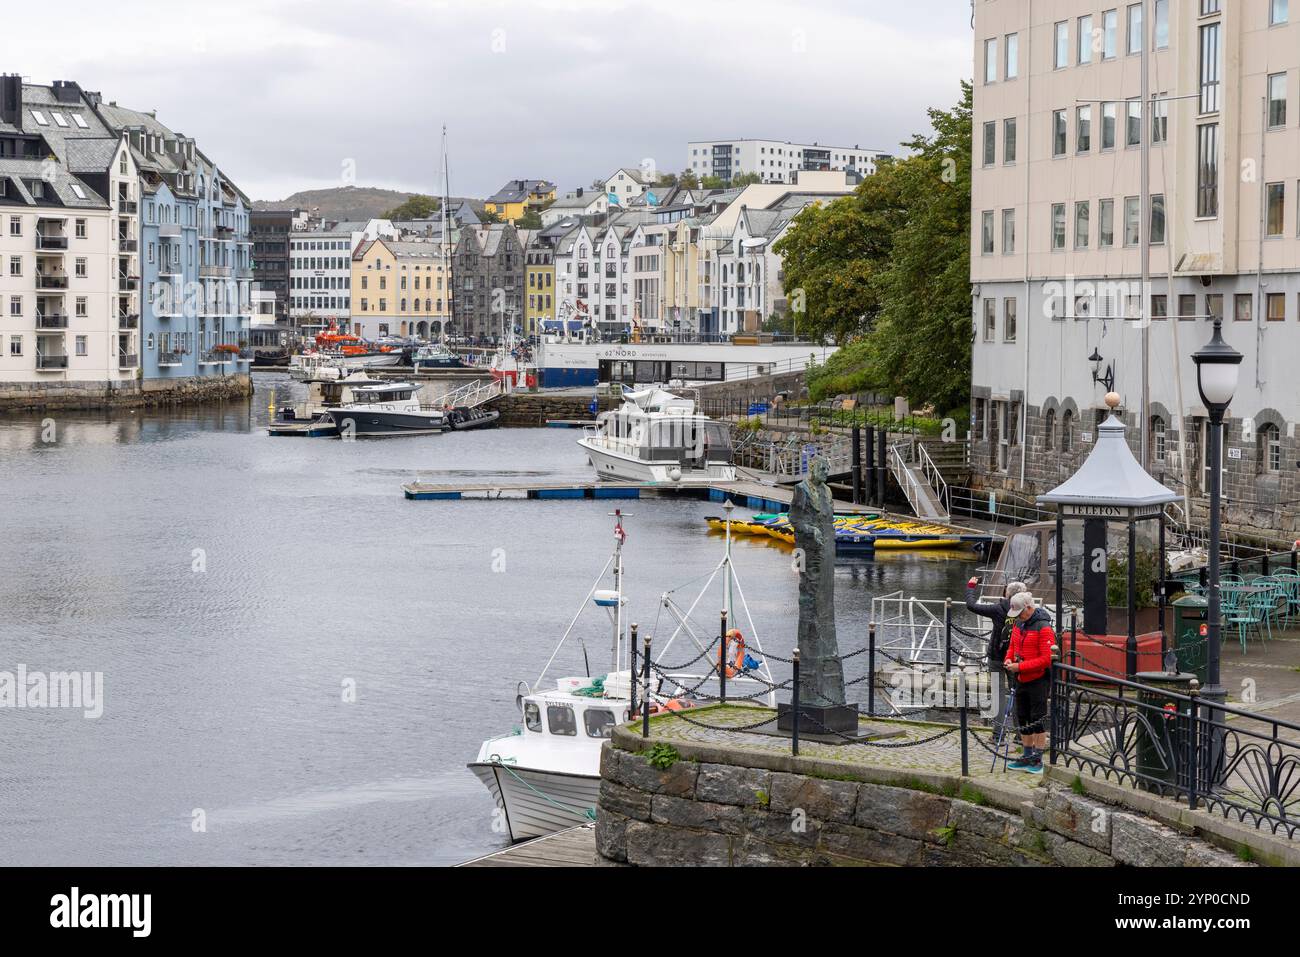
(531, 219)
(713, 182)
(666, 179)
(688, 180)
(886, 271)
(417, 207)
(744, 179)
(489, 216)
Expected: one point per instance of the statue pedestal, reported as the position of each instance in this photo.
(814, 719)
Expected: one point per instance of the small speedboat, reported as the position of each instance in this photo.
(436, 357)
(463, 419)
(390, 409)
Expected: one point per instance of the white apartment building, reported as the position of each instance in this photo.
(69, 267)
(775, 160)
(592, 280)
(320, 269)
(1057, 230)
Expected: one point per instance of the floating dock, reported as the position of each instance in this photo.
(572, 847)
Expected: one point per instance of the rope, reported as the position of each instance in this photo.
(588, 814)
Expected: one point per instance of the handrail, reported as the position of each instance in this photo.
(935, 478)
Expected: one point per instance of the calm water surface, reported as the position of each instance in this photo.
(229, 585)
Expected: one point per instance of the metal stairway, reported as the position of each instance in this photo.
(920, 480)
(472, 394)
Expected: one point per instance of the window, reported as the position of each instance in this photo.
(1275, 307)
(1159, 122)
(1160, 39)
(1214, 304)
(990, 320)
(1067, 431)
(1186, 306)
(39, 117)
(599, 722)
(1109, 119)
(81, 229)
(1082, 214)
(1159, 306)
(990, 143)
(1009, 320)
(991, 60)
(1208, 7)
(81, 307)
(16, 306)
(1133, 124)
(1277, 101)
(1009, 140)
(81, 345)
(1210, 68)
(1082, 307)
(1013, 56)
(1160, 437)
(1050, 429)
(986, 232)
(1132, 221)
(15, 265)
(1276, 203)
(1085, 39)
(1008, 231)
(1061, 48)
(1243, 307)
(1207, 170)
(1058, 133)
(1083, 129)
(1277, 12)
(1134, 29)
(1110, 34)
(1270, 448)
(15, 225)
(1157, 220)
(1106, 223)
(532, 716)
(15, 345)
(1058, 225)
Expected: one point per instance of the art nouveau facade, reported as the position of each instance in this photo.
(1057, 223)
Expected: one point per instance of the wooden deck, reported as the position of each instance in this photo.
(573, 847)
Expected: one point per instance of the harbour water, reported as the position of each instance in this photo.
(236, 591)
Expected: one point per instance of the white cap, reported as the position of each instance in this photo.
(1020, 601)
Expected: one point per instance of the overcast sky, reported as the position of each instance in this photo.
(297, 94)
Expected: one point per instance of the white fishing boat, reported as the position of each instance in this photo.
(657, 436)
(545, 775)
(393, 408)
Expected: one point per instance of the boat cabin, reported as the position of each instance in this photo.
(376, 394)
(560, 715)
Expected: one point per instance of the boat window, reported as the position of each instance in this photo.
(600, 723)
(1023, 556)
(560, 719)
(532, 716)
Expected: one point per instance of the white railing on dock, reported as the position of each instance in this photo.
(472, 394)
(912, 630)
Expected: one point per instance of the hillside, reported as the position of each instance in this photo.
(346, 202)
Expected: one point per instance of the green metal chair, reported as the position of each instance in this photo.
(1291, 585)
(1239, 612)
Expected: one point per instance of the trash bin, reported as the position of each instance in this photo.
(1191, 642)
(1161, 730)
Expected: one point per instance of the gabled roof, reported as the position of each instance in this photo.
(518, 190)
(1110, 476)
(17, 171)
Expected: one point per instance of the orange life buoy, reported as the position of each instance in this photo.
(737, 664)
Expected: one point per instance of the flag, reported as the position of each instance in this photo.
(613, 198)
(651, 199)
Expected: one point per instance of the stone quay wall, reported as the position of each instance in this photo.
(531, 410)
(43, 396)
(720, 807)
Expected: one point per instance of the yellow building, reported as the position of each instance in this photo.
(400, 289)
(539, 264)
(518, 196)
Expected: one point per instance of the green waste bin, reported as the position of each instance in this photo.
(1191, 644)
(1161, 730)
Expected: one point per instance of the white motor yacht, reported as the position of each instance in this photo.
(393, 408)
(656, 436)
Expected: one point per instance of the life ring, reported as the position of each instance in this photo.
(737, 664)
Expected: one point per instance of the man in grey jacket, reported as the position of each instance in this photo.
(996, 611)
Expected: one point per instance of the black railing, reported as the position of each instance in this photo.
(51, 321)
(169, 358)
(127, 360)
(51, 282)
(53, 243)
(1234, 762)
(127, 320)
(51, 362)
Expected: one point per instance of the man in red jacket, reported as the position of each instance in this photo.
(1029, 662)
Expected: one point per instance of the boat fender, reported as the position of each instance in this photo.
(737, 664)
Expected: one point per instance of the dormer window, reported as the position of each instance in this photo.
(76, 188)
(39, 117)
(59, 120)
(80, 121)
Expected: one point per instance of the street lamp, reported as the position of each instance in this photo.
(1217, 369)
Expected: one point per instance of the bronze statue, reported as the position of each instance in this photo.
(812, 516)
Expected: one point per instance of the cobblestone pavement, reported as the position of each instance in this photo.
(938, 754)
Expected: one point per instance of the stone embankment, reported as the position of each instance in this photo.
(45, 396)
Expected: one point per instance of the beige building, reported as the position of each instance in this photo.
(400, 289)
(1058, 227)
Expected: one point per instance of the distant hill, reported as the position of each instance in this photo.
(347, 202)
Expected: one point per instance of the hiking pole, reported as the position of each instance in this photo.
(1002, 729)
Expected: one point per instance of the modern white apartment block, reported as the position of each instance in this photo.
(320, 270)
(1057, 229)
(775, 160)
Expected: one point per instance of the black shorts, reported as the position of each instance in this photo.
(1031, 705)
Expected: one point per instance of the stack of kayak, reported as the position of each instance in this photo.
(854, 534)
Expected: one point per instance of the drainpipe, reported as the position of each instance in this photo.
(1024, 398)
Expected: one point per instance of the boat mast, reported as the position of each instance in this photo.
(620, 536)
(446, 235)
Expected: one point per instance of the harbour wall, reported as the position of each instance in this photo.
(720, 806)
(64, 394)
(530, 410)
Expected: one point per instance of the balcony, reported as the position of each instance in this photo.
(128, 283)
(126, 320)
(169, 230)
(126, 245)
(52, 243)
(46, 281)
(50, 320)
(214, 272)
(128, 207)
(50, 363)
(127, 360)
(169, 359)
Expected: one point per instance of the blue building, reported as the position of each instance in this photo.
(195, 255)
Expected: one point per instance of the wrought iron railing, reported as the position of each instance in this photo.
(1237, 763)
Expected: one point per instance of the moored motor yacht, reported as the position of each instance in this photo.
(656, 436)
(393, 408)
(311, 416)
(436, 356)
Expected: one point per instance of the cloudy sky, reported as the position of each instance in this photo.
(297, 94)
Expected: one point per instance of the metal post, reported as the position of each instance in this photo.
(871, 670)
(1164, 640)
(1295, 566)
(794, 707)
(947, 634)
(870, 467)
(1074, 641)
(856, 465)
(1214, 690)
(1264, 563)
(961, 706)
(632, 645)
(882, 463)
(1131, 646)
(645, 690)
(722, 659)
(1060, 563)
(1193, 744)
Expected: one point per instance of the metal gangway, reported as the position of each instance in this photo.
(921, 481)
(472, 394)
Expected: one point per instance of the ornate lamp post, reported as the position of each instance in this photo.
(1217, 369)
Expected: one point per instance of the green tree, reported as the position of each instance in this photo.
(744, 179)
(688, 180)
(490, 216)
(713, 182)
(417, 207)
(886, 271)
(531, 219)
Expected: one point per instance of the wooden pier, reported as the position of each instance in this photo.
(572, 847)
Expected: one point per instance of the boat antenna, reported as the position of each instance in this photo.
(446, 235)
(620, 536)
